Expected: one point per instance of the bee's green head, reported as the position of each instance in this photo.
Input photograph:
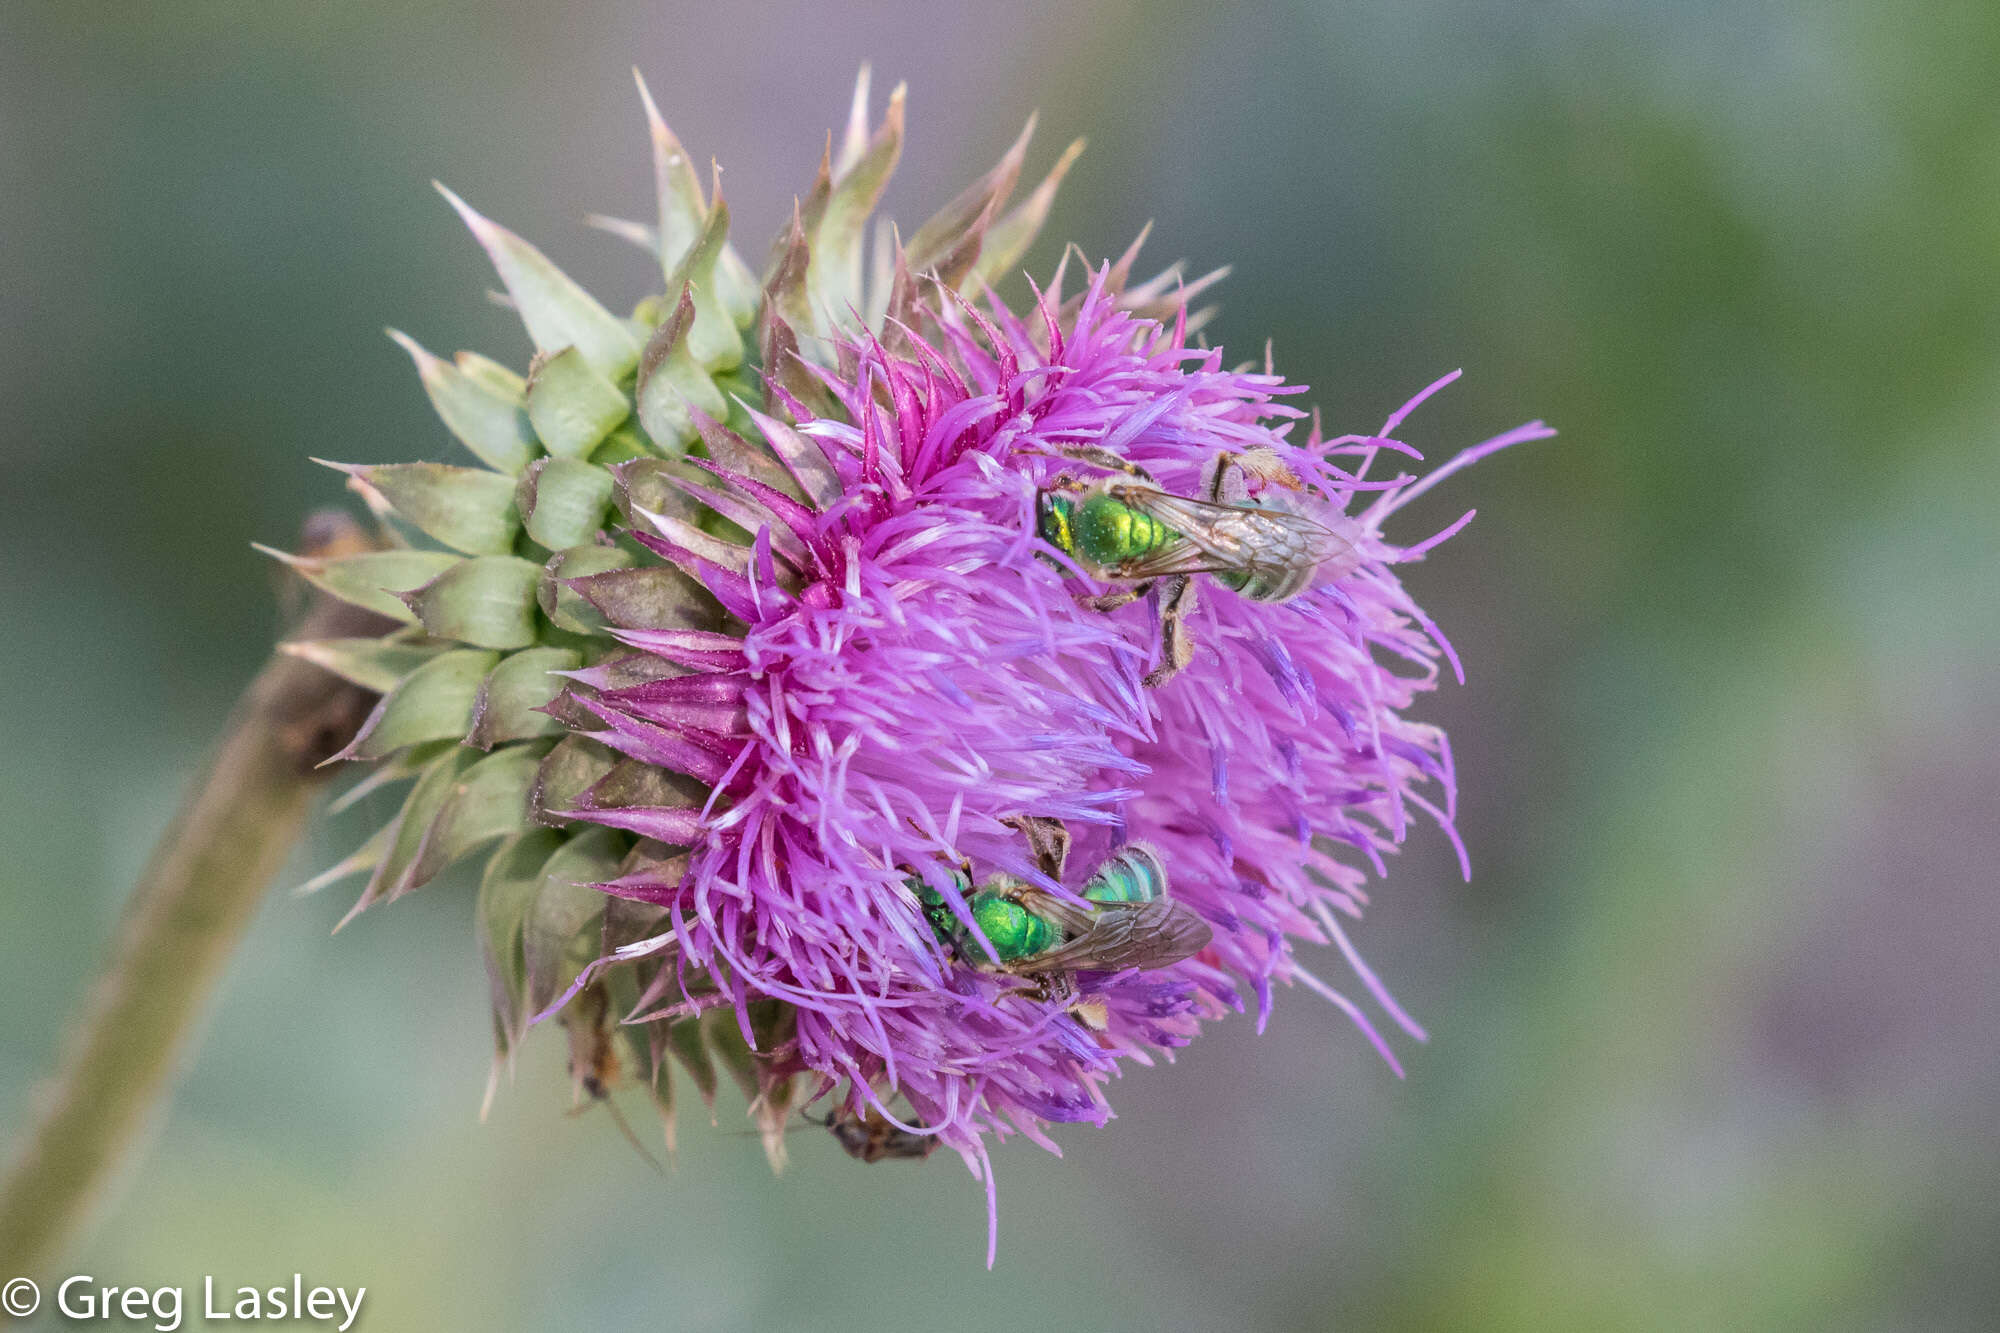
(1055, 519)
(937, 912)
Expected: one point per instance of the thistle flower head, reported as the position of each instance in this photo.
(793, 716)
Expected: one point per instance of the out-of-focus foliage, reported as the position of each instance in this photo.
(1715, 1040)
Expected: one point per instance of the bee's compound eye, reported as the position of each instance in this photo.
(1052, 519)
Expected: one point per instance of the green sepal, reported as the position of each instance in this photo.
(731, 450)
(432, 703)
(372, 580)
(617, 671)
(468, 509)
(772, 1023)
(684, 1043)
(649, 597)
(363, 858)
(627, 921)
(476, 405)
(671, 382)
(502, 381)
(556, 311)
(632, 782)
(783, 312)
(563, 605)
(508, 700)
(623, 669)
(627, 442)
(373, 664)
(648, 1044)
(833, 274)
(713, 341)
(507, 890)
(488, 600)
(950, 242)
(1009, 238)
(434, 789)
(565, 774)
(645, 1043)
(677, 187)
(564, 502)
(489, 801)
(737, 287)
(648, 484)
(572, 405)
(724, 1040)
(772, 1110)
(560, 935)
(682, 212)
(784, 304)
(402, 766)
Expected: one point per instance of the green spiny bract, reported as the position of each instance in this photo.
(510, 576)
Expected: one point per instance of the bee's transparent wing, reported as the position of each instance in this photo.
(1223, 537)
(1127, 935)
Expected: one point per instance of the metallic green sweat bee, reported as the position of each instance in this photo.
(1126, 528)
(1131, 923)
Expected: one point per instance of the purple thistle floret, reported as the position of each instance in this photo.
(916, 667)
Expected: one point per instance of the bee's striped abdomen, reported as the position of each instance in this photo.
(1132, 874)
(1261, 583)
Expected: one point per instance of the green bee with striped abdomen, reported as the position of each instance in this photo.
(1099, 529)
(1125, 528)
(1130, 922)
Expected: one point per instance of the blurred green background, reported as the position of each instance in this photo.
(1716, 1034)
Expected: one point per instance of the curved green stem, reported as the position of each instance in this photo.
(191, 906)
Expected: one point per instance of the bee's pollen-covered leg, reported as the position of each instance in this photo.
(1047, 838)
(1261, 462)
(1117, 597)
(1176, 647)
(1104, 458)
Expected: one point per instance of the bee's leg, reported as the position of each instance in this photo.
(1218, 469)
(1261, 462)
(1111, 601)
(1047, 838)
(1104, 458)
(1176, 647)
(1093, 1014)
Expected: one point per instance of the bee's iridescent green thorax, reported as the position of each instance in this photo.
(1013, 930)
(1100, 529)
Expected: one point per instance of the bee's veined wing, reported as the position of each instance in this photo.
(1223, 537)
(1127, 935)
(1074, 920)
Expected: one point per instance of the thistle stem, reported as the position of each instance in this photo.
(191, 906)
